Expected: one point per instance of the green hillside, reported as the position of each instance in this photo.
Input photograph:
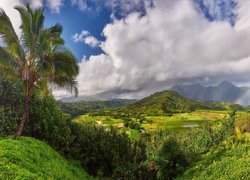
(28, 158)
(230, 160)
(170, 102)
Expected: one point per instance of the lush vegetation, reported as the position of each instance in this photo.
(37, 58)
(229, 160)
(99, 151)
(146, 147)
(28, 158)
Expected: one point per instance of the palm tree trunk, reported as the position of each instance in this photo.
(24, 117)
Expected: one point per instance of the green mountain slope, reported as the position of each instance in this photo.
(28, 158)
(161, 103)
(170, 102)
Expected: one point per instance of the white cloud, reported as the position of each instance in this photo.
(243, 18)
(80, 37)
(81, 4)
(87, 38)
(92, 41)
(172, 43)
(54, 5)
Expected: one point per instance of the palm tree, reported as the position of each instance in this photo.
(37, 56)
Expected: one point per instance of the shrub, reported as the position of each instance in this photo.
(10, 107)
(243, 122)
(134, 125)
(47, 122)
(99, 150)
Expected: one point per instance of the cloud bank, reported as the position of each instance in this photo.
(172, 43)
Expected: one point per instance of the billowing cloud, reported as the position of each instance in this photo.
(172, 43)
(87, 38)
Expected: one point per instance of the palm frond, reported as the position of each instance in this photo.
(6, 59)
(66, 70)
(9, 36)
(32, 23)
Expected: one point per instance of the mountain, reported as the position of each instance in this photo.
(28, 158)
(170, 102)
(79, 108)
(223, 92)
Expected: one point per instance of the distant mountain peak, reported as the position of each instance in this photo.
(225, 91)
(226, 83)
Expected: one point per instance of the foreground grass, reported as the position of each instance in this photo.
(27, 158)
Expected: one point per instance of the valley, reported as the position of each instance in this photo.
(175, 122)
(148, 115)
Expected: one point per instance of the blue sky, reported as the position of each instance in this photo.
(74, 21)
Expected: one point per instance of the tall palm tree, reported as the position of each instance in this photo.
(37, 56)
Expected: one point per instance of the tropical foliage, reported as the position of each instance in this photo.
(36, 56)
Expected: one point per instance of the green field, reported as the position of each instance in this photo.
(180, 121)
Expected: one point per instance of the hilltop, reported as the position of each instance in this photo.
(170, 102)
(28, 158)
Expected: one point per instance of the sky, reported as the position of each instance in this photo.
(132, 48)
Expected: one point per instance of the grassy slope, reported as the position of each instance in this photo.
(28, 158)
(231, 160)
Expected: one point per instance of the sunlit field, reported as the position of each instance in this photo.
(181, 121)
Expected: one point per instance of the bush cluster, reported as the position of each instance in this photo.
(101, 152)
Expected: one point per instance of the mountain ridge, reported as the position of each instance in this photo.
(223, 92)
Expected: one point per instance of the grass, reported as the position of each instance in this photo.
(27, 158)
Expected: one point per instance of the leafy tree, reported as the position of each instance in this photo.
(36, 57)
(166, 155)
